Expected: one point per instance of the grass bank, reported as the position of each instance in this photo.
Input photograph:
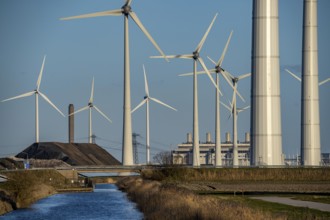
(25, 187)
(207, 193)
(167, 201)
(239, 175)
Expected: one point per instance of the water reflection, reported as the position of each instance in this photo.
(106, 202)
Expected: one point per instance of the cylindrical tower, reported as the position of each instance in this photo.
(208, 137)
(266, 131)
(247, 137)
(310, 118)
(228, 139)
(71, 124)
(189, 138)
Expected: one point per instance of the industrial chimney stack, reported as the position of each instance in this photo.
(310, 118)
(266, 131)
(71, 124)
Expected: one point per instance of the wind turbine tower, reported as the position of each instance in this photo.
(310, 115)
(266, 131)
(71, 123)
(126, 11)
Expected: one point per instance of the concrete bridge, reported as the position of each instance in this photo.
(99, 171)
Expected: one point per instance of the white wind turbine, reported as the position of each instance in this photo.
(37, 92)
(218, 70)
(126, 11)
(234, 110)
(146, 100)
(196, 57)
(89, 107)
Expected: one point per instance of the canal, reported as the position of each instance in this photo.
(105, 202)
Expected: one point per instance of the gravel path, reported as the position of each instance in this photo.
(288, 201)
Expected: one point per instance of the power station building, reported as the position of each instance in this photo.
(183, 155)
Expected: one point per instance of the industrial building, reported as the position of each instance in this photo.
(184, 153)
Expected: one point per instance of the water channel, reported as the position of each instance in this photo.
(106, 202)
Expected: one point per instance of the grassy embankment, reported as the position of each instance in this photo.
(25, 187)
(183, 193)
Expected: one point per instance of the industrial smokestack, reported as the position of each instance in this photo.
(71, 124)
(247, 137)
(189, 138)
(208, 137)
(310, 115)
(266, 131)
(228, 140)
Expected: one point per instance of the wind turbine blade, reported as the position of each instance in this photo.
(226, 106)
(224, 50)
(208, 73)
(139, 105)
(128, 2)
(20, 96)
(47, 100)
(239, 94)
(201, 43)
(244, 76)
(162, 103)
(324, 81)
(198, 72)
(40, 74)
(116, 12)
(211, 60)
(144, 30)
(229, 77)
(185, 56)
(146, 87)
(242, 109)
(294, 75)
(97, 109)
(91, 99)
(79, 110)
(228, 74)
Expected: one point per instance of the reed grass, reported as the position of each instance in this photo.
(167, 201)
(241, 174)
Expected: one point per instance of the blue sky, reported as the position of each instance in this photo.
(77, 50)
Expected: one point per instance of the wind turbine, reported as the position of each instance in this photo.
(146, 100)
(234, 110)
(126, 11)
(196, 57)
(90, 106)
(218, 70)
(37, 92)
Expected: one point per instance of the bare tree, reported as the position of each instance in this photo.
(163, 158)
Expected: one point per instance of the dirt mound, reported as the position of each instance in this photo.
(71, 153)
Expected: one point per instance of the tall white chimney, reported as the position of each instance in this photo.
(208, 137)
(228, 140)
(310, 115)
(266, 131)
